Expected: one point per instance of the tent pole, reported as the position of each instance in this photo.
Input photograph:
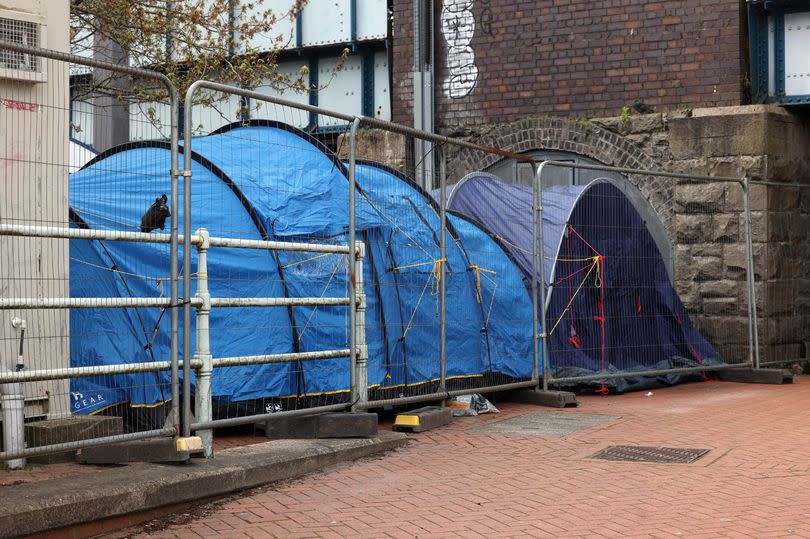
(442, 274)
(538, 265)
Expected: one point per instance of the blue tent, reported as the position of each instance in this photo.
(268, 180)
(610, 305)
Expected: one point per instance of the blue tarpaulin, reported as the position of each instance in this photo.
(271, 181)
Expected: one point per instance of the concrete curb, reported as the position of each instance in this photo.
(32, 508)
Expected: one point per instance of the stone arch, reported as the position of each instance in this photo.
(580, 137)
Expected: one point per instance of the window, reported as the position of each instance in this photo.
(19, 65)
(513, 171)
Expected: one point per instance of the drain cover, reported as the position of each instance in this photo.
(546, 424)
(660, 455)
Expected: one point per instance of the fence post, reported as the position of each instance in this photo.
(753, 330)
(187, 158)
(202, 353)
(360, 389)
(539, 265)
(442, 274)
(352, 270)
(174, 257)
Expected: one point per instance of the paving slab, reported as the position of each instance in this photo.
(37, 507)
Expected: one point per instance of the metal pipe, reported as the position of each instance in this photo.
(91, 442)
(278, 358)
(173, 418)
(278, 245)
(12, 402)
(202, 351)
(351, 269)
(82, 233)
(187, 160)
(442, 274)
(364, 120)
(80, 372)
(539, 251)
(276, 302)
(633, 374)
(82, 60)
(153, 237)
(260, 418)
(360, 387)
(753, 329)
(81, 303)
(154, 366)
(442, 396)
(641, 172)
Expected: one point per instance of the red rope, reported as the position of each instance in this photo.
(601, 318)
(694, 352)
(574, 230)
(580, 270)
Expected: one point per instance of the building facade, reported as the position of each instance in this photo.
(33, 105)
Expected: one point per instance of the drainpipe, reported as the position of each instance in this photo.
(12, 402)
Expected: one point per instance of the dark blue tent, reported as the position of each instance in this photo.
(610, 305)
(271, 181)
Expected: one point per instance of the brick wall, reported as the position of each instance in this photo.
(572, 57)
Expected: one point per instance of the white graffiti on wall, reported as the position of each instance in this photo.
(458, 27)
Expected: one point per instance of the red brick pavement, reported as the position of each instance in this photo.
(455, 482)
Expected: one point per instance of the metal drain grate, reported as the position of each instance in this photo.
(549, 424)
(659, 455)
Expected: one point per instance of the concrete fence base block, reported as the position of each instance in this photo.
(156, 450)
(757, 376)
(329, 425)
(553, 399)
(423, 419)
(69, 429)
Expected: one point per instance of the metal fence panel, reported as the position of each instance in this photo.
(266, 180)
(781, 247)
(77, 298)
(614, 311)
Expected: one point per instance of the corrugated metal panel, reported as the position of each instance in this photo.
(372, 19)
(797, 53)
(382, 92)
(343, 92)
(283, 33)
(207, 118)
(149, 121)
(326, 22)
(269, 111)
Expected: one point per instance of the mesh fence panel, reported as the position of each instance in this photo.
(269, 178)
(52, 180)
(781, 244)
(620, 300)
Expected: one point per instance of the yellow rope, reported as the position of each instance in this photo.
(595, 264)
(122, 272)
(306, 260)
(478, 270)
(397, 268)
